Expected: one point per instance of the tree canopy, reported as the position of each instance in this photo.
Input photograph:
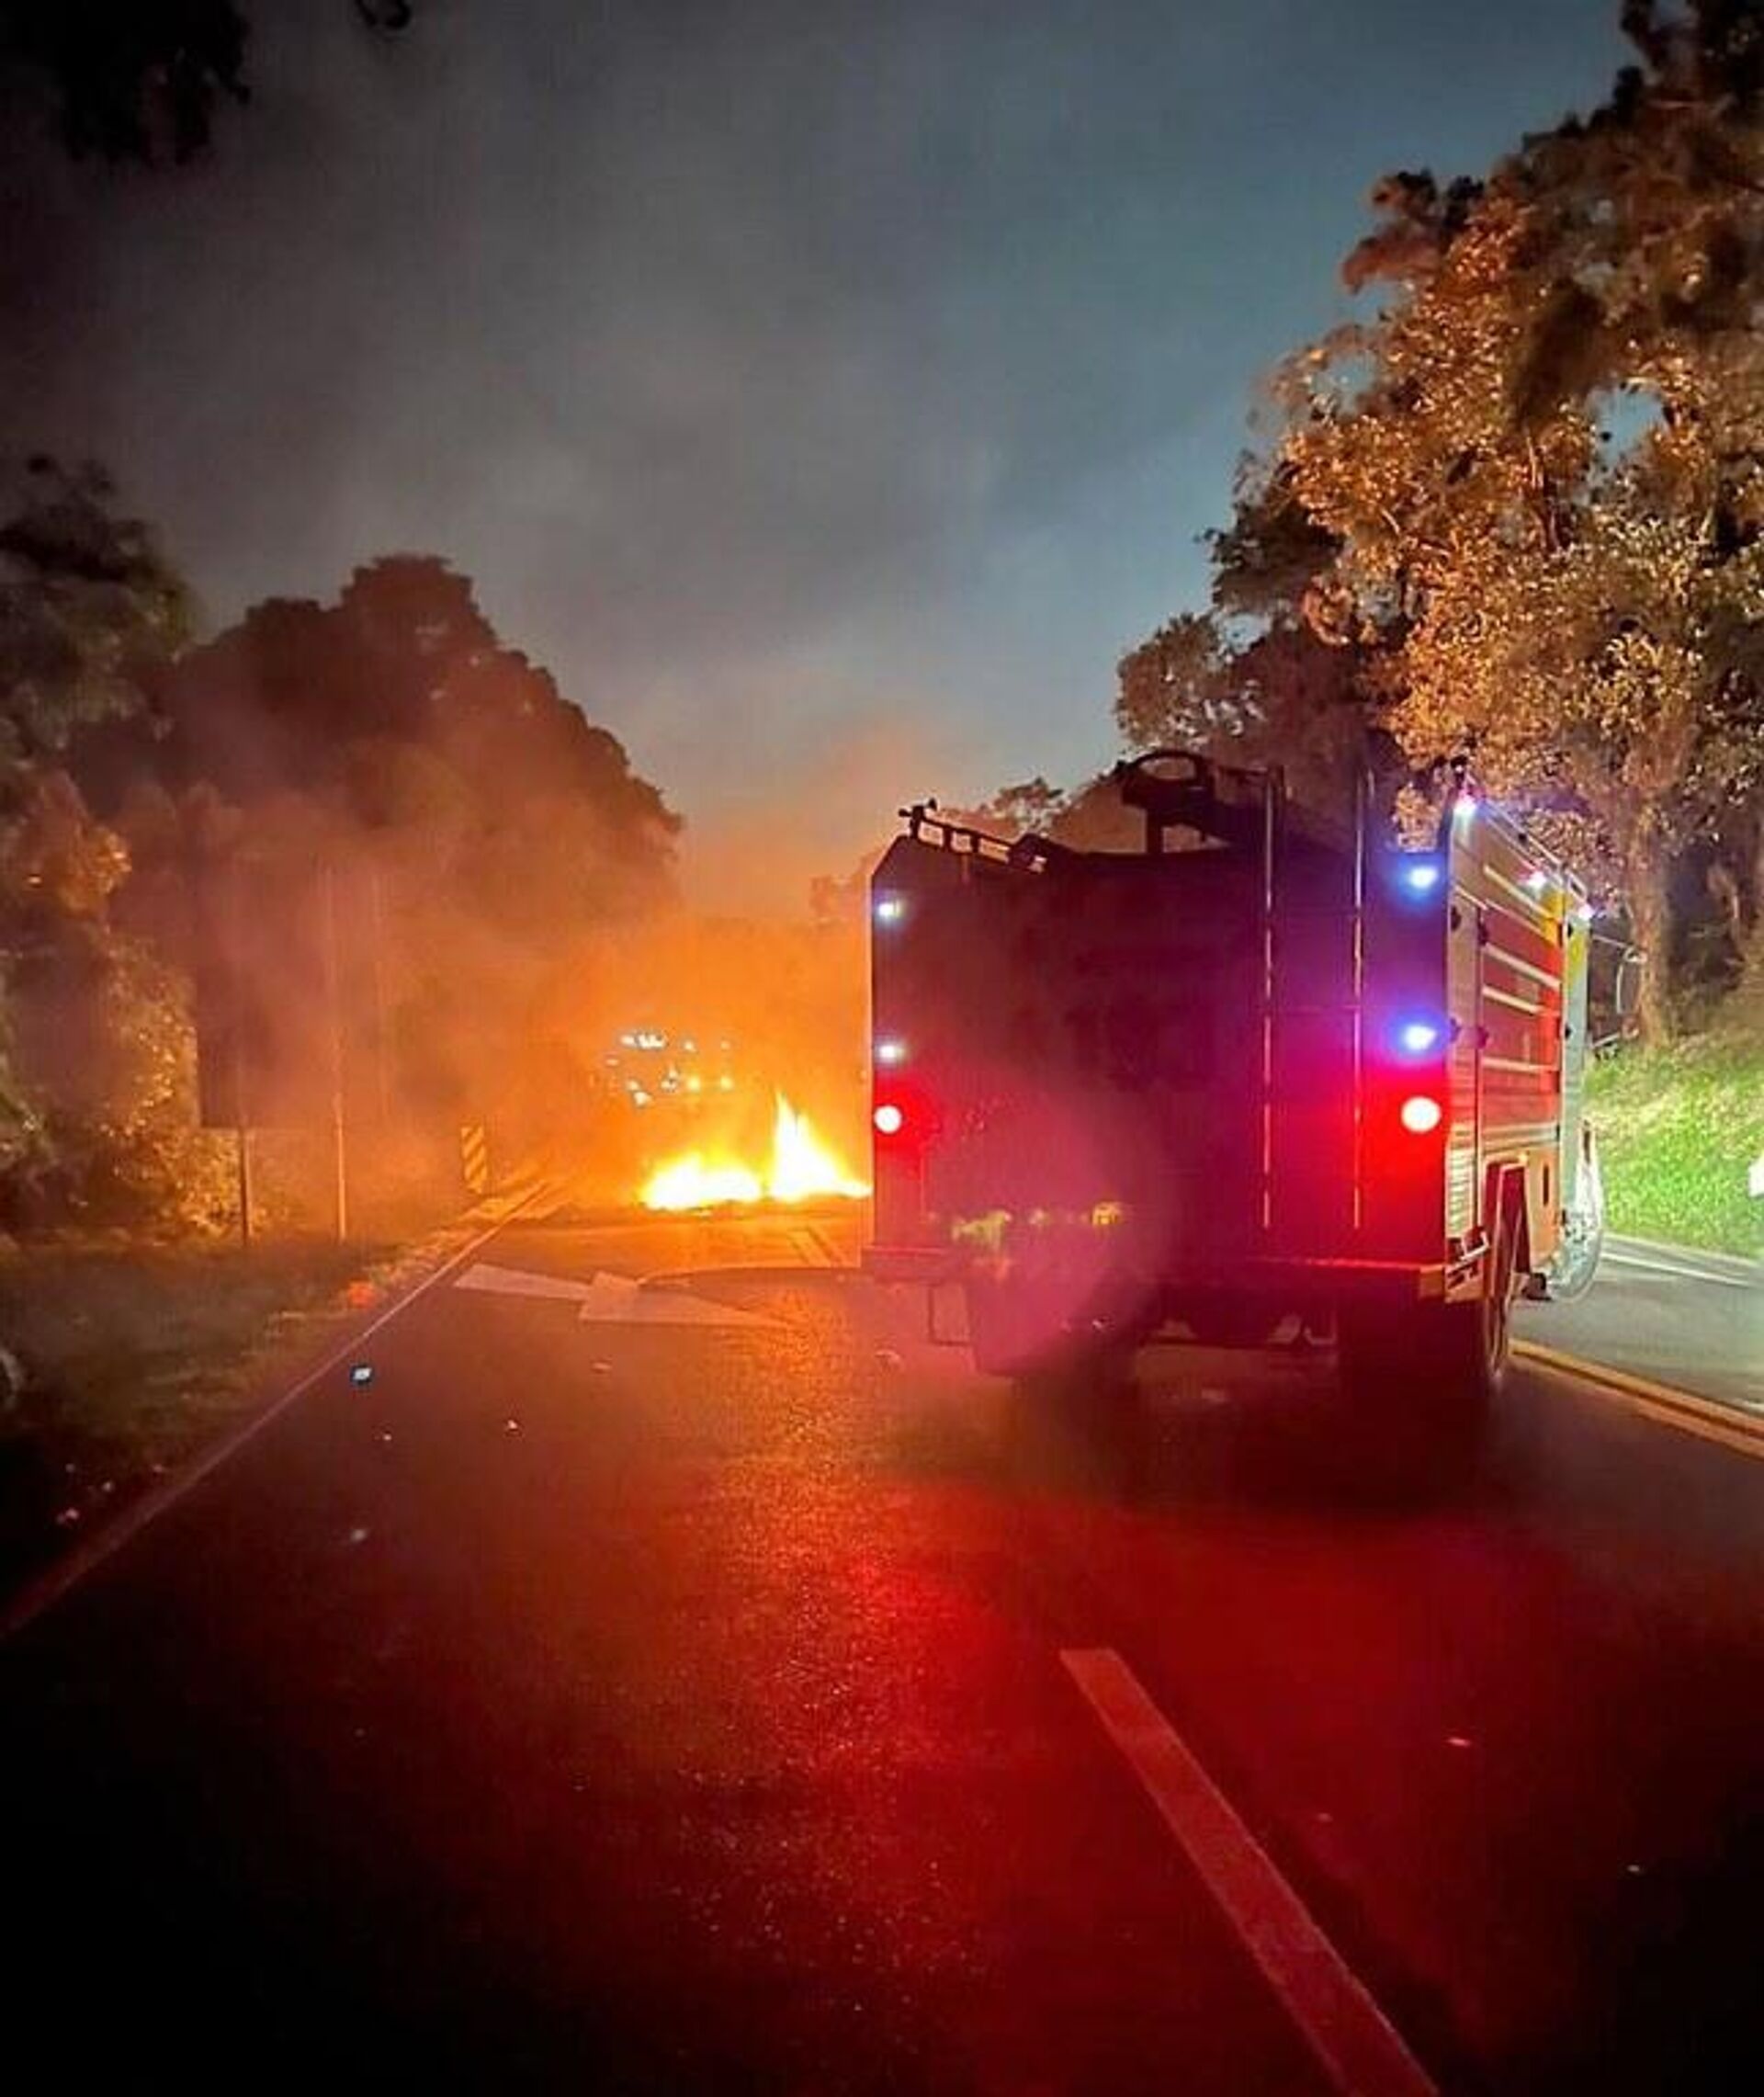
(399, 714)
(473, 829)
(394, 738)
(89, 607)
(1520, 506)
(141, 80)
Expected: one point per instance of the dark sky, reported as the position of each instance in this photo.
(828, 394)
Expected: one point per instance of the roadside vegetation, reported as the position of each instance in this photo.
(1678, 1128)
(122, 1361)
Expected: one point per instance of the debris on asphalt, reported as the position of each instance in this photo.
(511, 1426)
(358, 1534)
(362, 1372)
(1459, 1741)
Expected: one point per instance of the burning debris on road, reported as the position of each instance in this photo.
(800, 1167)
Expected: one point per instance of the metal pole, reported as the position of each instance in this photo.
(1357, 996)
(382, 1076)
(339, 1150)
(241, 1112)
(1271, 790)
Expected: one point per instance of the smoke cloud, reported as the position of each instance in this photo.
(768, 367)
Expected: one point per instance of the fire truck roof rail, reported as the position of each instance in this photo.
(1027, 854)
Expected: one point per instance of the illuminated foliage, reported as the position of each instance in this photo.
(96, 1105)
(1543, 465)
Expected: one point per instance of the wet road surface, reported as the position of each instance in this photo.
(685, 1690)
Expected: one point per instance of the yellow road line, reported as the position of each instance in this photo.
(1657, 1401)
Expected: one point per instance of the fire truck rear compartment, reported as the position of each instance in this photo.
(1153, 1055)
(1275, 1069)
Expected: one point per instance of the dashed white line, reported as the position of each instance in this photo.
(1640, 1265)
(1357, 2045)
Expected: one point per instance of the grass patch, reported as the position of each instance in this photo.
(1678, 1128)
(133, 1358)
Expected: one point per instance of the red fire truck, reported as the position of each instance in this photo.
(1261, 1069)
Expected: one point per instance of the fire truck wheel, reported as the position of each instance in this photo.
(1478, 1336)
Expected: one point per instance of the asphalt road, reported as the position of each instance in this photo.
(724, 1689)
(1693, 1319)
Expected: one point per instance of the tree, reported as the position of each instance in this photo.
(88, 608)
(132, 78)
(1252, 680)
(394, 734)
(97, 1119)
(1543, 464)
(140, 79)
(1029, 806)
(95, 1040)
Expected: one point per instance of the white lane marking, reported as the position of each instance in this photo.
(43, 1593)
(1356, 2044)
(613, 1300)
(610, 1299)
(517, 1281)
(1698, 1256)
(1679, 1274)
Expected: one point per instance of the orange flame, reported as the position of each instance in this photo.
(802, 1168)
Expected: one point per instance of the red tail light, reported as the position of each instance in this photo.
(889, 1118)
